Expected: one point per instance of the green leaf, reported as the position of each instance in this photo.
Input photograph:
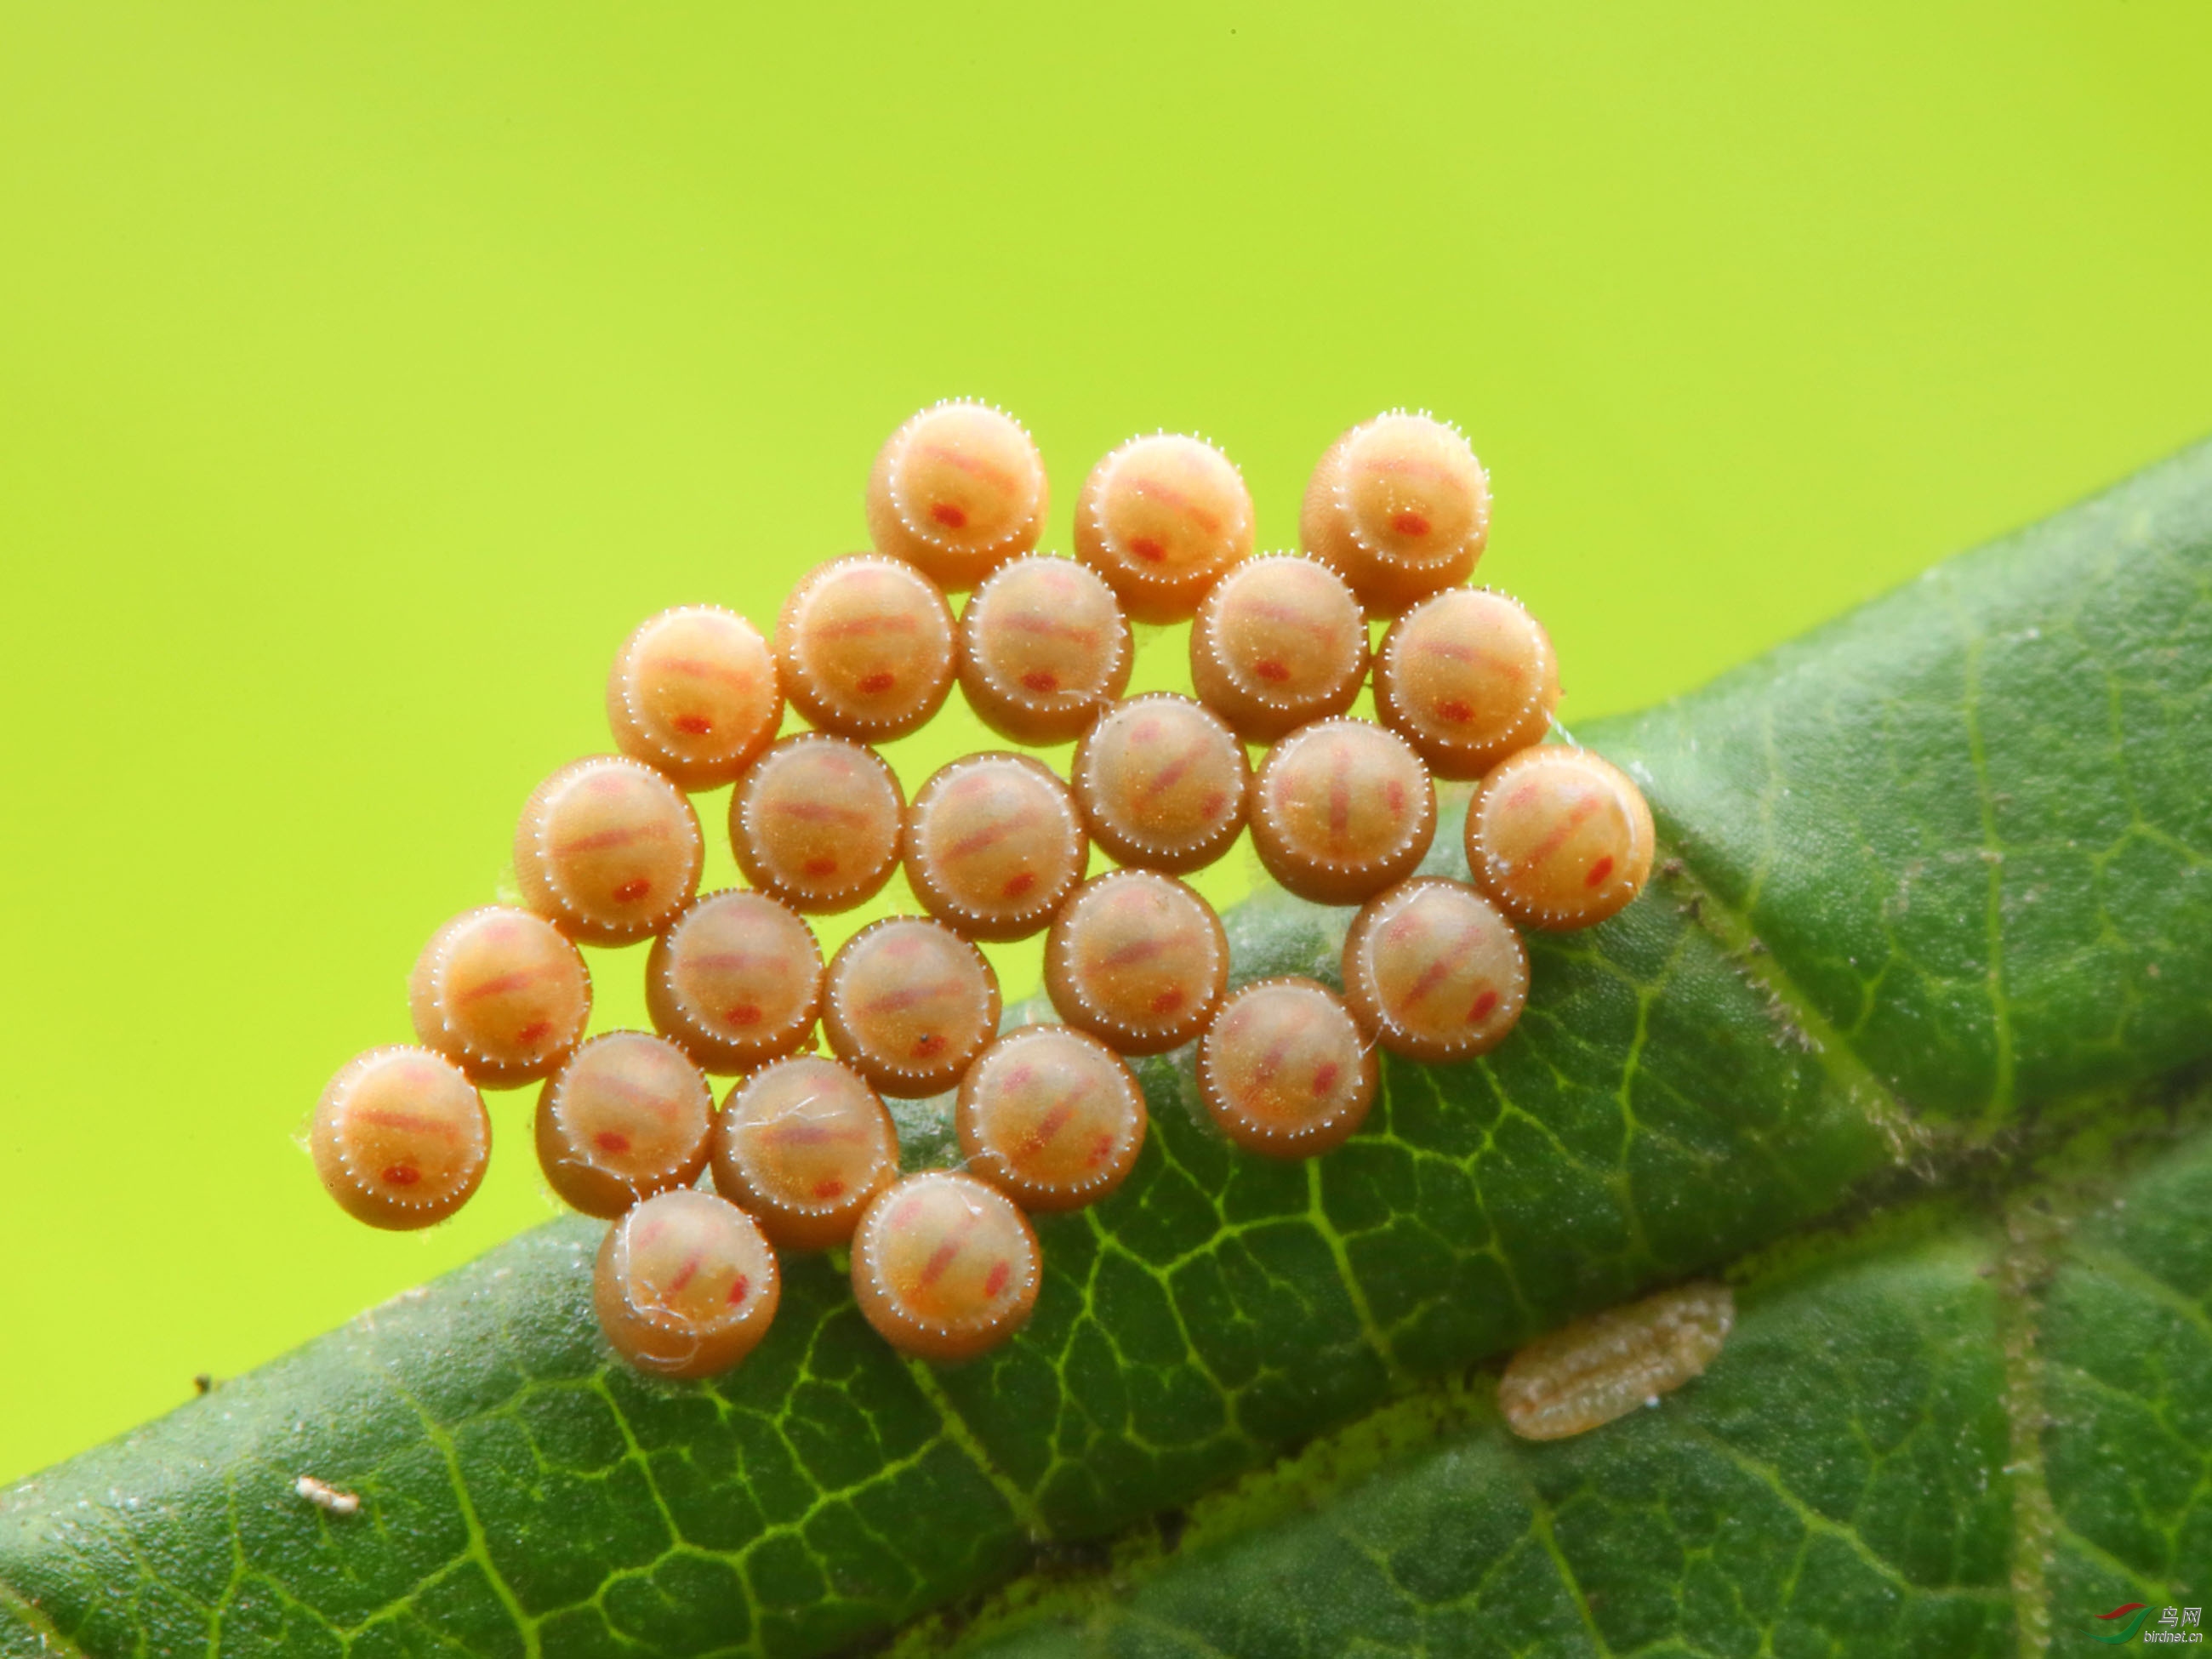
(1935, 901)
(1849, 1479)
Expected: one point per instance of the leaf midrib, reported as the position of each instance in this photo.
(1730, 928)
(2025, 1241)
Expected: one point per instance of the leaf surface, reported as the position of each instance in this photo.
(1936, 888)
(1848, 1480)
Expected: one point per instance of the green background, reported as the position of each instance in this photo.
(363, 378)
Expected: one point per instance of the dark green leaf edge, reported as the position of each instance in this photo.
(1276, 1557)
(1939, 866)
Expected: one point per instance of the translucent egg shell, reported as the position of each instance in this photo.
(1052, 1117)
(627, 1117)
(865, 647)
(1341, 809)
(609, 850)
(1399, 508)
(1161, 782)
(694, 693)
(1162, 518)
(1284, 1070)
(685, 1284)
(818, 821)
(910, 1004)
(1043, 648)
(945, 1267)
(1280, 641)
(1559, 838)
(1467, 678)
(736, 979)
(1433, 971)
(958, 491)
(1139, 959)
(400, 1138)
(806, 1145)
(501, 992)
(993, 845)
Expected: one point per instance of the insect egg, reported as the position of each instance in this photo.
(1052, 1117)
(818, 821)
(627, 1117)
(1467, 678)
(1432, 971)
(945, 1267)
(958, 491)
(1279, 642)
(502, 993)
(865, 647)
(694, 692)
(1162, 518)
(1161, 782)
(1399, 508)
(1341, 809)
(1284, 1070)
(400, 1138)
(685, 1284)
(1605, 1366)
(994, 844)
(608, 849)
(805, 1146)
(1043, 647)
(1139, 959)
(1558, 838)
(736, 981)
(910, 1004)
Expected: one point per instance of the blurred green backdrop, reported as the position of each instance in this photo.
(365, 373)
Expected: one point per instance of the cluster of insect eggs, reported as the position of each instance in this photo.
(803, 1151)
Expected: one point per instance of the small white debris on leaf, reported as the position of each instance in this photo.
(1610, 1363)
(323, 1496)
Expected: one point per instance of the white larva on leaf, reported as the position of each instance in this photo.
(1610, 1363)
(325, 1496)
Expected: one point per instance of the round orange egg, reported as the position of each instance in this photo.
(501, 992)
(608, 850)
(1052, 1117)
(694, 693)
(1280, 641)
(945, 1267)
(1399, 508)
(865, 647)
(736, 979)
(1139, 959)
(910, 1004)
(1432, 971)
(956, 491)
(1162, 519)
(685, 1284)
(806, 1145)
(818, 821)
(1285, 1070)
(400, 1138)
(1043, 648)
(1467, 678)
(1559, 837)
(1162, 783)
(627, 1117)
(994, 844)
(1341, 809)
